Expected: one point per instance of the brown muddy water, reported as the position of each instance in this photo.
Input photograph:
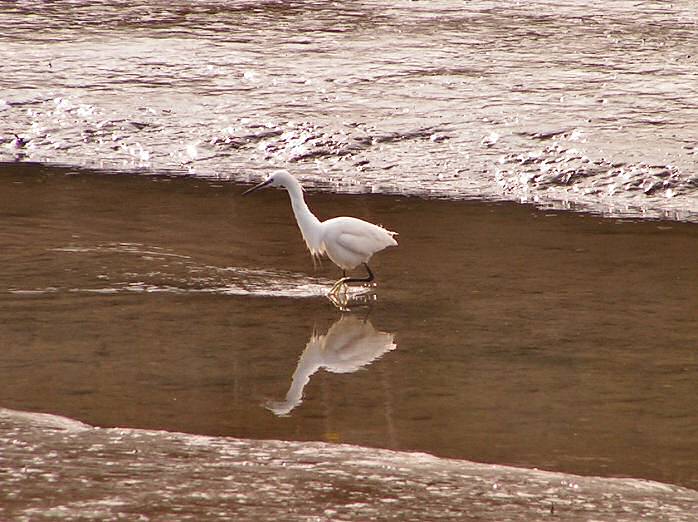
(497, 333)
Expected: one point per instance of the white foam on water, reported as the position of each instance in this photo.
(61, 467)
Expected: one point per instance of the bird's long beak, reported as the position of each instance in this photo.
(257, 187)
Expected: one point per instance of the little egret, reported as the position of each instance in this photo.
(347, 241)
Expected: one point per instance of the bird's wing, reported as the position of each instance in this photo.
(366, 240)
(352, 242)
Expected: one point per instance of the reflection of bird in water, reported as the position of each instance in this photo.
(348, 345)
(347, 241)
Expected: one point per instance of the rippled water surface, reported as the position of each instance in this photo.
(570, 104)
(158, 475)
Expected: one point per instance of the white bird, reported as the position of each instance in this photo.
(347, 241)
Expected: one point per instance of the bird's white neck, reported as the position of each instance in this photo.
(307, 222)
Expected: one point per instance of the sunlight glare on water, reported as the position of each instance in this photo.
(156, 474)
(571, 105)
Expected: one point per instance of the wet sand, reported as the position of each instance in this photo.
(552, 340)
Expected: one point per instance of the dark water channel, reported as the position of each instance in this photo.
(498, 333)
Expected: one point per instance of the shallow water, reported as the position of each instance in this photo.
(566, 104)
(498, 333)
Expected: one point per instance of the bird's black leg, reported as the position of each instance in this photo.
(366, 279)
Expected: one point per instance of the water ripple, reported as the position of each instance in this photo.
(199, 476)
(399, 97)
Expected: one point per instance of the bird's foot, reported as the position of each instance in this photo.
(338, 294)
(338, 288)
(340, 302)
(342, 298)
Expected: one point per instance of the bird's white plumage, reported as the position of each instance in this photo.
(347, 241)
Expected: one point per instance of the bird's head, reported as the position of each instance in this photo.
(280, 178)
